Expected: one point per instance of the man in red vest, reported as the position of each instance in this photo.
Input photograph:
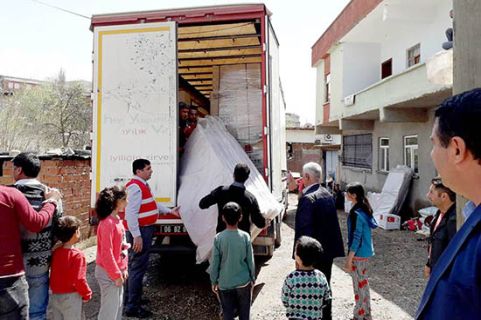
(141, 214)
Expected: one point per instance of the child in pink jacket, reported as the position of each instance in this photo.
(111, 269)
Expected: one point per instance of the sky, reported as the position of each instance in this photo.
(37, 40)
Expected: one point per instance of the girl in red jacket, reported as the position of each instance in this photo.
(111, 269)
(68, 275)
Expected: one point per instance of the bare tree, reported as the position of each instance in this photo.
(16, 131)
(66, 113)
(52, 115)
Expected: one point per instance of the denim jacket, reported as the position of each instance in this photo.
(360, 239)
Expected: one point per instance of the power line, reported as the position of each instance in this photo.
(61, 9)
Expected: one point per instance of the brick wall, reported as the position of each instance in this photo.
(72, 177)
(301, 154)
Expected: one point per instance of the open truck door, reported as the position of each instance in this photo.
(135, 104)
(274, 137)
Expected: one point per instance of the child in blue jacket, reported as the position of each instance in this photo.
(359, 224)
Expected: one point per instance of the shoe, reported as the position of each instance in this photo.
(140, 313)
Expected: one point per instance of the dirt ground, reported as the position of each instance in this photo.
(178, 289)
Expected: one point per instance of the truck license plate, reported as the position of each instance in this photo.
(173, 228)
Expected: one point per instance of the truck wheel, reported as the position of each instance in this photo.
(278, 239)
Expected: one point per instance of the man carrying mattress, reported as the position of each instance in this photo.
(236, 192)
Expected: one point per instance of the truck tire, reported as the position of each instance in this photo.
(278, 239)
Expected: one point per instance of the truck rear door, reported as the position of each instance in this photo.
(276, 116)
(135, 106)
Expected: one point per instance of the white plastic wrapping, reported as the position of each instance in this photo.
(393, 193)
(210, 156)
(240, 106)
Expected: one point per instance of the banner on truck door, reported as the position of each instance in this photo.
(135, 105)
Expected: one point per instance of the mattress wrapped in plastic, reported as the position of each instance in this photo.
(210, 156)
(393, 193)
(240, 106)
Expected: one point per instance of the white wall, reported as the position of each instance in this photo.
(361, 66)
(401, 35)
(320, 94)
(300, 136)
(337, 75)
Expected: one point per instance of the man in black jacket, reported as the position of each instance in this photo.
(316, 217)
(237, 193)
(443, 226)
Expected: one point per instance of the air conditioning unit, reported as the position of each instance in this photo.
(349, 100)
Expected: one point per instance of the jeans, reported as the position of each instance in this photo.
(38, 296)
(236, 300)
(13, 298)
(138, 263)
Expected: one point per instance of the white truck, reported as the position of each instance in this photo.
(222, 59)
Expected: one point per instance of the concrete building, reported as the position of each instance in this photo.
(381, 71)
(292, 120)
(304, 145)
(8, 85)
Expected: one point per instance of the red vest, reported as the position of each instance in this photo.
(148, 212)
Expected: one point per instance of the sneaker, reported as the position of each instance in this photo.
(140, 313)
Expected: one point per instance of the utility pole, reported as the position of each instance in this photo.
(467, 58)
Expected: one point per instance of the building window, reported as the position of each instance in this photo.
(17, 86)
(411, 152)
(290, 151)
(386, 69)
(10, 85)
(384, 154)
(414, 55)
(357, 151)
(327, 91)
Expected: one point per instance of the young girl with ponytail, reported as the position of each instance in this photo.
(359, 224)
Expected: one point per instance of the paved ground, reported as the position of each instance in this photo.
(179, 289)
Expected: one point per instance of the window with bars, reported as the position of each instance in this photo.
(384, 154)
(357, 151)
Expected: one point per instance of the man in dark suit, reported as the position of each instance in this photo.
(454, 287)
(237, 193)
(316, 217)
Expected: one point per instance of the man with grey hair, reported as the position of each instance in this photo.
(316, 217)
